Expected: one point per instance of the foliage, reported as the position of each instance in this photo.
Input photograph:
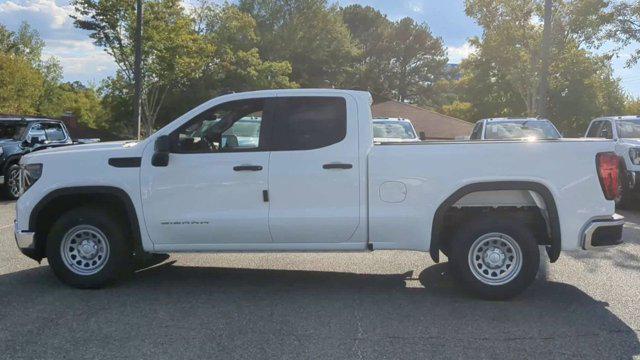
(400, 60)
(507, 62)
(626, 29)
(20, 85)
(632, 107)
(309, 34)
(173, 51)
(460, 110)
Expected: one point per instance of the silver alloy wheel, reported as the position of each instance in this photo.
(495, 259)
(13, 182)
(84, 250)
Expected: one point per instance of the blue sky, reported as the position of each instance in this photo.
(83, 61)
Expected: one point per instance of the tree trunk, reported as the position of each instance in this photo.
(545, 54)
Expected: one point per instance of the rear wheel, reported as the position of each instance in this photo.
(495, 258)
(12, 182)
(87, 248)
(623, 199)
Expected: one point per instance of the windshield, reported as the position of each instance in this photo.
(535, 129)
(628, 128)
(11, 130)
(393, 129)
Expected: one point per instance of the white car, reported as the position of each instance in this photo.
(315, 181)
(514, 129)
(394, 130)
(625, 131)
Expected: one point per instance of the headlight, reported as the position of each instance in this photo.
(634, 154)
(30, 174)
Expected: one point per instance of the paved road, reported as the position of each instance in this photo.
(384, 305)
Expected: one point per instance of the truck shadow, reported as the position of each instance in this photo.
(171, 311)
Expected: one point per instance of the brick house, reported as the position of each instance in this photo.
(435, 125)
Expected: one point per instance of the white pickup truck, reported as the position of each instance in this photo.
(314, 181)
(625, 132)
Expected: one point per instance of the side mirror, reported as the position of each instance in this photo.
(161, 151)
(423, 136)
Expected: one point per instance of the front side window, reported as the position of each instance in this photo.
(229, 127)
(54, 131)
(305, 123)
(477, 132)
(506, 130)
(393, 130)
(629, 129)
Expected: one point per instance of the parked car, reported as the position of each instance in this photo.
(21, 135)
(625, 131)
(514, 129)
(315, 181)
(394, 130)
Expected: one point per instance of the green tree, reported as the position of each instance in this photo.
(418, 63)
(632, 107)
(236, 64)
(507, 61)
(309, 34)
(25, 43)
(372, 32)
(20, 85)
(398, 60)
(173, 51)
(626, 29)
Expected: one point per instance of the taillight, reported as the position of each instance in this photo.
(608, 168)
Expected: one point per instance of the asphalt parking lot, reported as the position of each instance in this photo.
(385, 305)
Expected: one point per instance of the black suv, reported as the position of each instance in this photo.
(21, 135)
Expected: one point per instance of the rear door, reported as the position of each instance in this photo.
(314, 188)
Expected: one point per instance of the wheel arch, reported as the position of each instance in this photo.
(48, 209)
(553, 250)
(11, 160)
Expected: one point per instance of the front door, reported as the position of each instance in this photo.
(314, 171)
(211, 192)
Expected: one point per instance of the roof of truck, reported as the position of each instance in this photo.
(625, 117)
(514, 119)
(25, 118)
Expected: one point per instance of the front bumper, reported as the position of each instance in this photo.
(25, 241)
(602, 233)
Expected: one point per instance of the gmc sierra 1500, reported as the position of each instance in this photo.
(306, 176)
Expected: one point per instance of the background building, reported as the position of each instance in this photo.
(434, 124)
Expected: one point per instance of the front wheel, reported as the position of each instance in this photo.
(12, 182)
(495, 258)
(87, 248)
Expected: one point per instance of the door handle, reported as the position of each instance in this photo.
(247, 168)
(337, 166)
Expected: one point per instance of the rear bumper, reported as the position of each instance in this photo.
(602, 233)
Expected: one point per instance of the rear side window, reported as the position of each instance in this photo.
(305, 123)
(594, 129)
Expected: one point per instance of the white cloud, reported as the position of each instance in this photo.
(415, 6)
(45, 14)
(80, 59)
(458, 53)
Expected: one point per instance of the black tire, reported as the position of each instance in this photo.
(118, 262)
(623, 200)
(10, 187)
(460, 262)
